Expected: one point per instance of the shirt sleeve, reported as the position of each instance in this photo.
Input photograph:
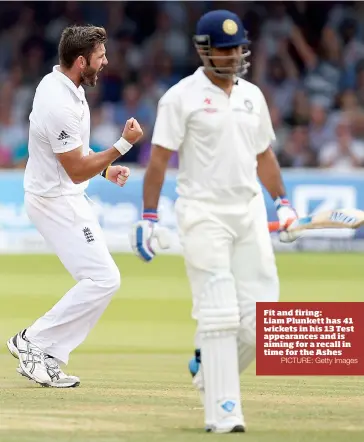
(266, 133)
(64, 130)
(169, 129)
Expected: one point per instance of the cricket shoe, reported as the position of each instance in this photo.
(228, 425)
(194, 367)
(37, 365)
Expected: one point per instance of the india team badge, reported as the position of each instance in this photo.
(230, 27)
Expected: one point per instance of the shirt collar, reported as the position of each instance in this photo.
(206, 81)
(78, 91)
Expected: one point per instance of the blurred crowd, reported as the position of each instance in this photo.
(308, 58)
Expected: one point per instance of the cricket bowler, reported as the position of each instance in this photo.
(56, 176)
(220, 126)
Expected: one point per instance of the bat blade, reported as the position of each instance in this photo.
(330, 219)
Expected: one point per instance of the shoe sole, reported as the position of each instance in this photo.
(14, 352)
(22, 373)
(236, 429)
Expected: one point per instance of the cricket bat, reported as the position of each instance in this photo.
(329, 219)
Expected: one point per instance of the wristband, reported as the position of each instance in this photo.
(104, 172)
(150, 215)
(123, 146)
(281, 201)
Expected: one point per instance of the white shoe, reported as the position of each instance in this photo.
(37, 365)
(229, 425)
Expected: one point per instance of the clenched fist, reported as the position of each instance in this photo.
(118, 174)
(132, 131)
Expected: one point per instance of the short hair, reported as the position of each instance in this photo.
(79, 40)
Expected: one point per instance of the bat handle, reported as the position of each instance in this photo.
(273, 226)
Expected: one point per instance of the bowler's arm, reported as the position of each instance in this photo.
(63, 127)
(81, 168)
(269, 173)
(154, 176)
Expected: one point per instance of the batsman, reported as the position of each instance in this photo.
(220, 126)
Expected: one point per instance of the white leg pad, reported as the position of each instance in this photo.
(218, 323)
(247, 334)
(246, 355)
(247, 328)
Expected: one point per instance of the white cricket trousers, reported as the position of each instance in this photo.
(230, 239)
(72, 231)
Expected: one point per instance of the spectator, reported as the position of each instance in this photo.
(307, 58)
(118, 21)
(348, 101)
(132, 103)
(345, 152)
(103, 131)
(127, 50)
(169, 39)
(340, 12)
(151, 89)
(321, 127)
(114, 78)
(278, 28)
(281, 80)
(166, 76)
(22, 94)
(300, 110)
(12, 136)
(323, 70)
(352, 50)
(281, 129)
(359, 83)
(352, 47)
(297, 151)
(70, 14)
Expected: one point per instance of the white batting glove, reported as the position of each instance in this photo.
(143, 234)
(286, 216)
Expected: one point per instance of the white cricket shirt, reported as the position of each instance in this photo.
(217, 137)
(59, 122)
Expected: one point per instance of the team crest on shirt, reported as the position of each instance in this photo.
(249, 105)
(208, 102)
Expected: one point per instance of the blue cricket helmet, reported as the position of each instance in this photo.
(224, 28)
(221, 29)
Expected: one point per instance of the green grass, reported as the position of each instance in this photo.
(135, 386)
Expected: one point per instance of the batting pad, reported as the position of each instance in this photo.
(247, 330)
(218, 325)
(246, 354)
(247, 334)
(219, 310)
